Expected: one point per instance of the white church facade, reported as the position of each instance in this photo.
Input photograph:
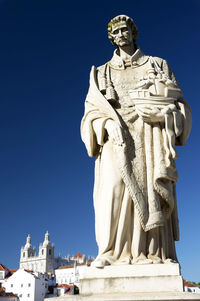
(44, 262)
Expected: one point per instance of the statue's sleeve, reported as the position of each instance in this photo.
(97, 112)
(93, 123)
(87, 132)
(92, 129)
(186, 114)
(183, 119)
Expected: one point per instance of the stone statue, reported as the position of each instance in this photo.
(135, 115)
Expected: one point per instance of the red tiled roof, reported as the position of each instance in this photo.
(28, 271)
(188, 284)
(70, 289)
(65, 267)
(12, 271)
(3, 268)
(8, 295)
(78, 255)
(65, 285)
(71, 266)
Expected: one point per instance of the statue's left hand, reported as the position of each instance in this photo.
(150, 114)
(114, 131)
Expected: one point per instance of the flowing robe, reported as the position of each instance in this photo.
(134, 192)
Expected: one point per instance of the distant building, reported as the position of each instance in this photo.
(64, 289)
(44, 262)
(191, 287)
(4, 273)
(27, 285)
(71, 260)
(42, 275)
(7, 296)
(70, 274)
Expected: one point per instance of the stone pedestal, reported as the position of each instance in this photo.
(152, 282)
(131, 279)
(167, 296)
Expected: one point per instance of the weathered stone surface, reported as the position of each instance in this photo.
(131, 271)
(166, 296)
(131, 279)
(135, 115)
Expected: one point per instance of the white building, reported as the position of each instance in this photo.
(7, 296)
(191, 287)
(44, 262)
(64, 289)
(4, 273)
(71, 260)
(70, 274)
(27, 286)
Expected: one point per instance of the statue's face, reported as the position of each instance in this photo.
(122, 34)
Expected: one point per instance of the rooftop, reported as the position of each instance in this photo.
(78, 255)
(68, 287)
(189, 284)
(3, 268)
(72, 266)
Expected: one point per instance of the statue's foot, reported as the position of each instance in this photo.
(155, 259)
(142, 259)
(100, 263)
(169, 260)
(122, 261)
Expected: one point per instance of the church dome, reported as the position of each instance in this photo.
(46, 240)
(28, 243)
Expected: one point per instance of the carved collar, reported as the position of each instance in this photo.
(136, 60)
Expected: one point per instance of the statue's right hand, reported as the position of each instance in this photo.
(114, 131)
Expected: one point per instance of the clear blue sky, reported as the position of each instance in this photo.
(46, 178)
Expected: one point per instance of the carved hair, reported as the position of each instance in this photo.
(120, 19)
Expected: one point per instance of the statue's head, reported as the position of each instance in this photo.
(122, 30)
